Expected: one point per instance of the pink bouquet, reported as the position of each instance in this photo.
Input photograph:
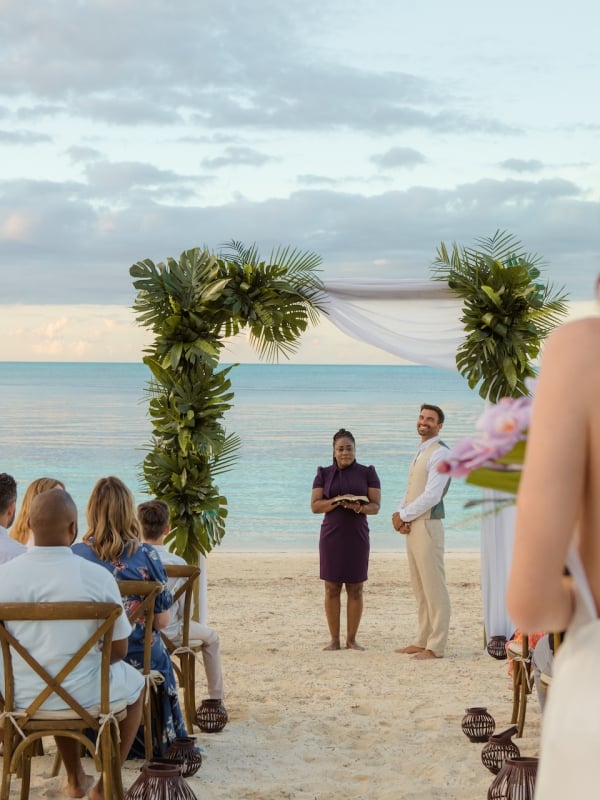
(493, 458)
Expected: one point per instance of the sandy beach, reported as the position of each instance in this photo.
(312, 725)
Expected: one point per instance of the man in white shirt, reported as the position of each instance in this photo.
(419, 517)
(50, 572)
(9, 548)
(155, 521)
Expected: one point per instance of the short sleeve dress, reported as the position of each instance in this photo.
(145, 565)
(344, 541)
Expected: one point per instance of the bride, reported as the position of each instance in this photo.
(558, 523)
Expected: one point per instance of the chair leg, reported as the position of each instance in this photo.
(516, 688)
(6, 774)
(26, 774)
(522, 710)
(111, 765)
(188, 663)
(147, 718)
(520, 691)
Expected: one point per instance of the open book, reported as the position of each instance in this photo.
(353, 498)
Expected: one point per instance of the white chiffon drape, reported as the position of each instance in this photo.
(414, 320)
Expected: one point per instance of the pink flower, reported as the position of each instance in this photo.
(507, 420)
(468, 454)
(500, 428)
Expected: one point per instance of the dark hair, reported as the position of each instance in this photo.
(437, 409)
(343, 434)
(154, 518)
(8, 491)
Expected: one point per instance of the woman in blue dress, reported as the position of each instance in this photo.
(113, 539)
(345, 492)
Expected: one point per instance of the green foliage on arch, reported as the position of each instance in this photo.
(507, 311)
(191, 305)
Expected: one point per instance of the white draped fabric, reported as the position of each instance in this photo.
(420, 321)
(497, 538)
(415, 320)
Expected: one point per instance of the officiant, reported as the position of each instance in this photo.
(345, 492)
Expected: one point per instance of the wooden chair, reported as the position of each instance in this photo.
(139, 599)
(520, 655)
(185, 650)
(25, 727)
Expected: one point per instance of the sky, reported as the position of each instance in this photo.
(367, 133)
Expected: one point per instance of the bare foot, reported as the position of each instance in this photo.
(95, 793)
(81, 787)
(335, 645)
(410, 650)
(425, 655)
(354, 646)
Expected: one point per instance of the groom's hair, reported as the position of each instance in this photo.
(437, 409)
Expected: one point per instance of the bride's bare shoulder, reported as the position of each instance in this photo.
(578, 336)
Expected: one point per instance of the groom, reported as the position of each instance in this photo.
(419, 517)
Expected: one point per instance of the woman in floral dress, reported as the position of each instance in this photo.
(113, 539)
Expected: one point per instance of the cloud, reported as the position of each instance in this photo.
(79, 153)
(118, 71)
(318, 180)
(398, 157)
(53, 328)
(109, 179)
(71, 248)
(147, 114)
(23, 137)
(522, 165)
(40, 111)
(239, 157)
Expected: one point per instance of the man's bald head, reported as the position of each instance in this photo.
(53, 519)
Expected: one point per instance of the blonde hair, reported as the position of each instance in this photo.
(20, 529)
(113, 526)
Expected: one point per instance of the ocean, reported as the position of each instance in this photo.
(80, 421)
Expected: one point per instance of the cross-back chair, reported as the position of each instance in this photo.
(139, 598)
(183, 653)
(25, 727)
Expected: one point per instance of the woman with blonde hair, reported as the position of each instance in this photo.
(113, 539)
(20, 529)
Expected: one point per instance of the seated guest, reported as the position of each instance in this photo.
(9, 549)
(50, 572)
(154, 519)
(8, 502)
(113, 540)
(20, 529)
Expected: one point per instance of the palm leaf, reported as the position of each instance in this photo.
(506, 311)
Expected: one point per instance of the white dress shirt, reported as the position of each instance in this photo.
(436, 483)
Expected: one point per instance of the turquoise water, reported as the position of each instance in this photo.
(78, 422)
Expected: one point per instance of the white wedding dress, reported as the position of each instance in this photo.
(570, 743)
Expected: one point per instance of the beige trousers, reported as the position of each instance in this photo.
(211, 657)
(425, 551)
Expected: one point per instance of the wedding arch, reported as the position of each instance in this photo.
(192, 304)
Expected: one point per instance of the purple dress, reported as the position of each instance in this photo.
(344, 540)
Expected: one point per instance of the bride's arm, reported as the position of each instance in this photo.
(550, 497)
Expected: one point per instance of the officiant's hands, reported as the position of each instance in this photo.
(399, 524)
